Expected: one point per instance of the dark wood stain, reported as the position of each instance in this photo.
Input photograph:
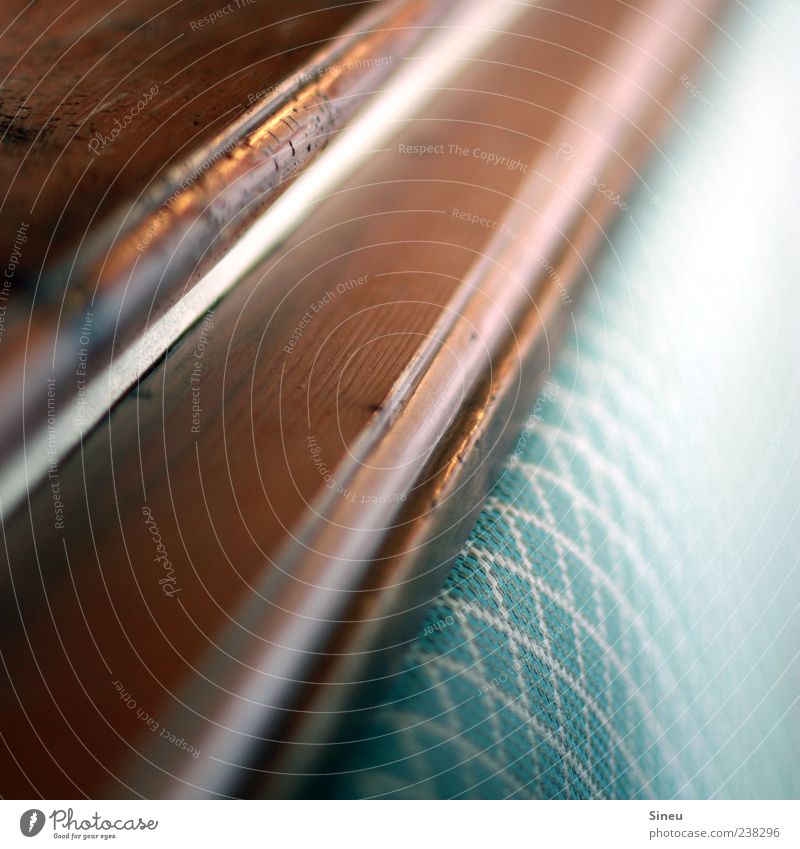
(228, 497)
(72, 69)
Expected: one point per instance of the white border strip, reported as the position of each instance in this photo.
(399, 824)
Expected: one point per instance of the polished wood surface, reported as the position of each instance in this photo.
(170, 141)
(310, 456)
(98, 101)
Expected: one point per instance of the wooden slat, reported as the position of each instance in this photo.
(241, 107)
(283, 592)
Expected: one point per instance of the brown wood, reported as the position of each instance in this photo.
(287, 593)
(71, 70)
(122, 231)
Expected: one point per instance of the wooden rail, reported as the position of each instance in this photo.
(250, 537)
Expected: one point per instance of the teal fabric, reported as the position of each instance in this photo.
(623, 620)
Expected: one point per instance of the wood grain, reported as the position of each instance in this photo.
(120, 229)
(353, 395)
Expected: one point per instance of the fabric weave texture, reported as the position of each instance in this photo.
(622, 620)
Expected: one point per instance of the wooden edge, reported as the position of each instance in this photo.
(132, 270)
(365, 590)
(353, 584)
